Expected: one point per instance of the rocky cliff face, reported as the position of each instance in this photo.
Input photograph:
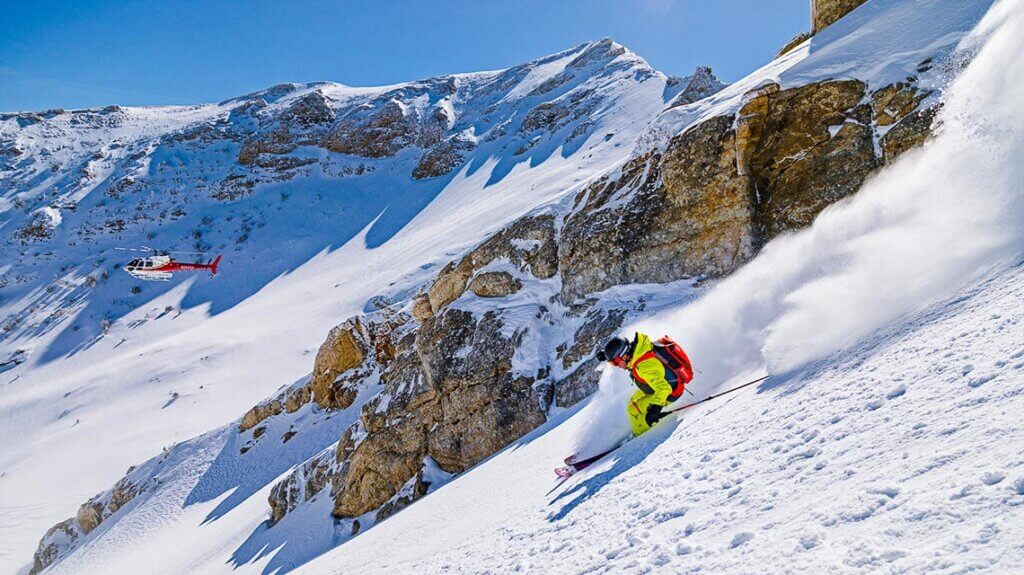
(478, 356)
(825, 12)
(699, 208)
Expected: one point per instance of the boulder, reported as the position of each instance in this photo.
(89, 516)
(529, 244)
(57, 538)
(344, 349)
(290, 401)
(421, 308)
(495, 284)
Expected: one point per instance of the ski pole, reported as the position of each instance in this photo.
(710, 397)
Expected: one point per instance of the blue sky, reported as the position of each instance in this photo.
(84, 53)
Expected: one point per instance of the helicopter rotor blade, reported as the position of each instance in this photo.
(147, 249)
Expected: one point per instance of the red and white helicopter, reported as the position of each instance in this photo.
(160, 266)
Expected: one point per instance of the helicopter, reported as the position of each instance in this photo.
(160, 266)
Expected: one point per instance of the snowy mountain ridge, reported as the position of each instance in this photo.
(255, 179)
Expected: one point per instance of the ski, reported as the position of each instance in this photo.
(575, 463)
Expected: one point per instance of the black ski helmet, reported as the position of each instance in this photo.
(615, 347)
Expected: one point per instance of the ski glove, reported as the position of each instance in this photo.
(653, 414)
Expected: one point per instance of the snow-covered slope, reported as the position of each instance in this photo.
(106, 371)
(900, 455)
(710, 491)
(887, 439)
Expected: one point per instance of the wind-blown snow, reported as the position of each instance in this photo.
(935, 221)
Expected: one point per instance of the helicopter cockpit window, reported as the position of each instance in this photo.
(134, 263)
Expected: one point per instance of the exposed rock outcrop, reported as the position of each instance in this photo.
(90, 515)
(457, 408)
(344, 349)
(289, 401)
(451, 394)
(700, 85)
(684, 213)
(826, 12)
(804, 148)
(495, 284)
(442, 158)
(529, 244)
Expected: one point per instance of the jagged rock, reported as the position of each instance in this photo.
(825, 12)
(456, 408)
(604, 49)
(290, 401)
(450, 284)
(278, 141)
(895, 101)
(700, 85)
(597, 327)
(246, 111)
(60, 535)
(300, 486)
(796, 41)
(441, 158)
(421, 309)
(310, 110)
(557, 114)
(578, 385)
(528, 243)
(483, 405)
(689, 214)
(495, 284)
(381, 134)
(122, 493)
(343, 350)
(89, 516)
(910, 132)
(717, 193)
(804, 148)
(258, 413)
(415, 489)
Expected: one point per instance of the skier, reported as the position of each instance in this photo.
(660, 370)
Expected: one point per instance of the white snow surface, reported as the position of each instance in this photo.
(107, 378)
(886, 440)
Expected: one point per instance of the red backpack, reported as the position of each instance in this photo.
(672, 356)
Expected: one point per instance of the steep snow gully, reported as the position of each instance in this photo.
(888, 438)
